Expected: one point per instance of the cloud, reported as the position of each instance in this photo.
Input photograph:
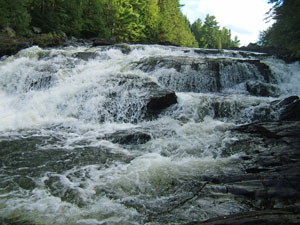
(245, 18)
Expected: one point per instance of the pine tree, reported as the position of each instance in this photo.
(285, 32)
(14, 14)
(209, 34)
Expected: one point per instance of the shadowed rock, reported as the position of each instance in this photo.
(289, 216)
(201, 74)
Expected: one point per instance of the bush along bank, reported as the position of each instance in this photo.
(10, 43)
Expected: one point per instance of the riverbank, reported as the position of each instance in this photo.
(10, 44)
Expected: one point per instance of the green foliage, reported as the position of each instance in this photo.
(209, 34)
(14, 14)
(285, 32)
(150, 17)
(127, 26)
(173, 25)
(96, 15)
(133, 21)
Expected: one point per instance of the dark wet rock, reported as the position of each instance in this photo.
(124, 48)
(160, 101)
(59, 189)
(86, 55)
(129, 137)
(111, 44)
(42, 82)
(11, 45)
(203, 51)
(288, 216)
(279, 130)
(25, 182)
(28, 156)
(274, 162)
(201, 74)
(290, 108)
(101, 42)
(137, 98)
(5, 221)
(262, 89)
(263, 69)
(268, 185)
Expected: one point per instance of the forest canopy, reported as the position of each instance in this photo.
(132, 21)
(285, 32)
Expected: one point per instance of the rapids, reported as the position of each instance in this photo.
(78, 144)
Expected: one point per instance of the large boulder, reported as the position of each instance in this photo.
(257, 88)
(290, 108)
(119, 98)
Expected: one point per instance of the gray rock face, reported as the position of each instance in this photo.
(129, 137)
(195, 74)
(262, 89)
(270, 184)
(263, 217)
(290, 108)
(122, 98)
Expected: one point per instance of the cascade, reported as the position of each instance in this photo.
(132, 134)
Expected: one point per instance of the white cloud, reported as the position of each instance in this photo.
(245, 18)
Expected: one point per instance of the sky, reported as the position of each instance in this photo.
(245, 18)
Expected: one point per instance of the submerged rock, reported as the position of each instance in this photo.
(86, 55)
(262, 89)
(129, 137)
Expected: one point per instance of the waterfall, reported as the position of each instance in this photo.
(122, 134)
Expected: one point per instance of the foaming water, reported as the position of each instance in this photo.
(78, 146)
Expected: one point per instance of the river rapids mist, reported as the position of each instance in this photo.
(124, 134)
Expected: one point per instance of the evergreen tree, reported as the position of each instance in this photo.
(173, 26)
(150, 18)
(209, 34)
(129, 25)
(197, 29)
(44, 15)
(14, 14)
(285, 32)
(94, 19)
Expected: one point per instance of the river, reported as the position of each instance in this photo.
(79, 144)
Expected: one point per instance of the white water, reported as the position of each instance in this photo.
(74, 104)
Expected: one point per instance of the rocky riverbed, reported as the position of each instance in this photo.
(136, 134)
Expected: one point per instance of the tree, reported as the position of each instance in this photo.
(285, 32)
(173, 26)
(150, 18)
(198, 31)
(209, 34)
(14, 14)
(236, 42)
(95, 16)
